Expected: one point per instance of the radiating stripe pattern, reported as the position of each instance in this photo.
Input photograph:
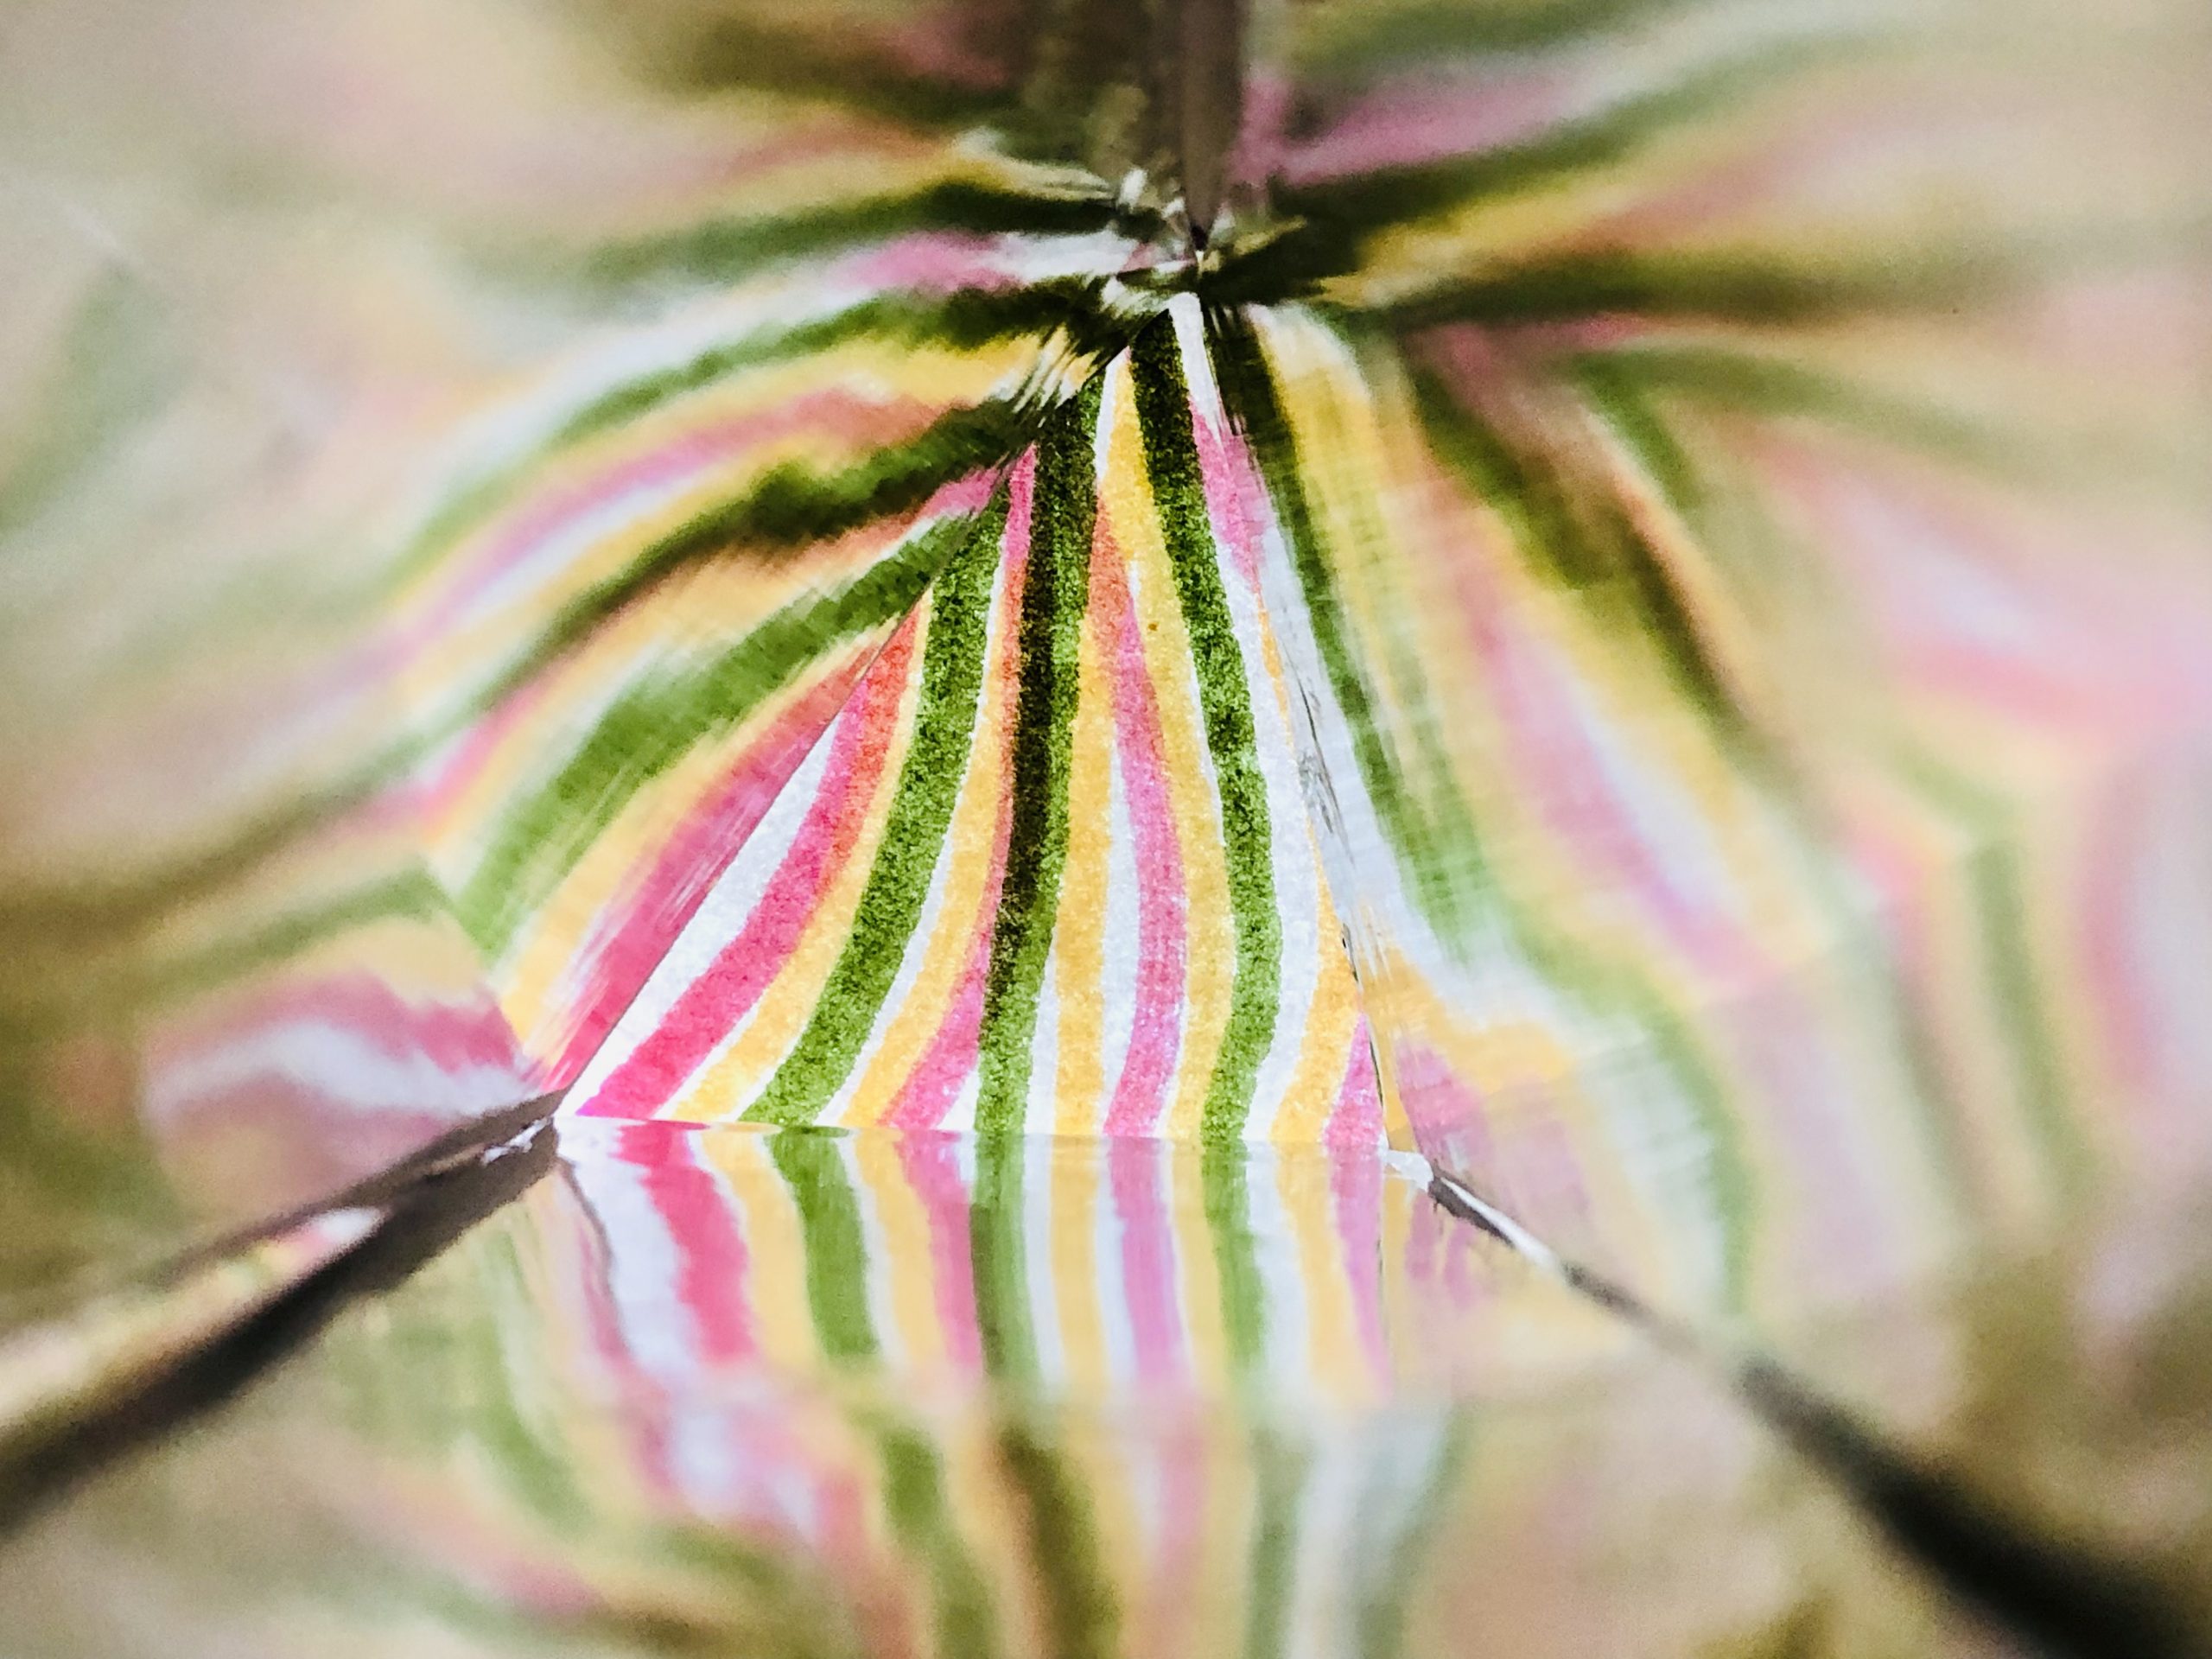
(1647, 911)
(1050, 1264)
(1051, 868)
(645, 590)
(1036, 1395)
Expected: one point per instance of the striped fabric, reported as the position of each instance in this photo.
(1050, 1262)
(1051, 868)
(644, 593)
(1621, 617)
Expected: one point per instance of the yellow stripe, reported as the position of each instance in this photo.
(1079, 947)
(729, 1084)
(775, 1247)
(535, 984)
(905, 1252)
(1075, 1266)
(1126, 502)
(1334, 1352)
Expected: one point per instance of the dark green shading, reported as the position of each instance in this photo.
(1280, 1464)
(848, 69)
(1997, 881)
(90, 912)
(1056, 593)
(2000, 886)
(1441, 854)
(1171, 467)
(965, 320)
(836, 1249)
(1223, 1171)
(789, 507)
(725, 249)
(915, 1502)
(1081, 1612)
(1622, 382)
(1583, 538)
(145, 985)
(996, 1260)
(413, 1382)
(1751, 290)
(655, 722)
(914, 835)
(75, 1194)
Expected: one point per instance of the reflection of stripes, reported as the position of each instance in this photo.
(981, 1503)
(1086, 722)
(1063, 1262)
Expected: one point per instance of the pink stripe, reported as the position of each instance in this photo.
(1415, 119)
(456, 1036)
(461, 763)
(932, 1171)
(1575, 790)
(940, 261)
(1155, 1024)
(1228, 478)
(833, 408)
(712, 1264)
(1148, 1257)
(1356, 1122)
(1356, 1187)
(630, 936)
(1179, 1563)
(704, 1014)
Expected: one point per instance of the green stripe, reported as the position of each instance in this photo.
(837, 1270)
(412, 894)
(1279, 1469)
(789, 508)
(965, 320)
(1622, 381)
(836, 1249)
(655, 722)
(1329, 221)
(1395, 196)
(723, 250)
(996, 1254)
(1056, 593)
(914, 1502)
(1759, 289)
(1227, 1196)
(913, 835)
(1441, 852)
(1585, 539)
(1335, 44)
(1172, 466)
(1081, 1611)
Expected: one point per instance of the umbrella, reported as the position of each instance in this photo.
(1277, 797)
